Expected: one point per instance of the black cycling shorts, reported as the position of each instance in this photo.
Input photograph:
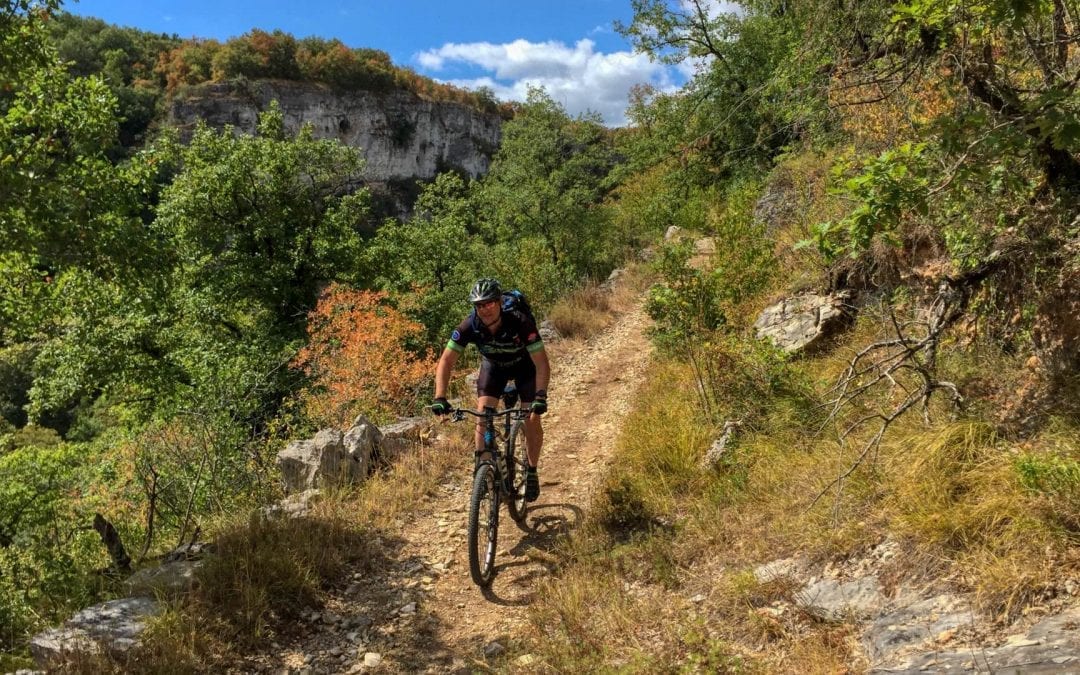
(493, 378)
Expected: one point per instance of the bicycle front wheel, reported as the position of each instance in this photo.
(516, 466)
(483, 525)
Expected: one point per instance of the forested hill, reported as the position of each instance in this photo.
(408, 127)
(145, 71)
(172, 314)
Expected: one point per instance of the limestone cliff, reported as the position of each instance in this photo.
(402, 135)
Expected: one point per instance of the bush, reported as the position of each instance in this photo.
(47, 552)
(358, 359)
(623, 512)
(582, 313)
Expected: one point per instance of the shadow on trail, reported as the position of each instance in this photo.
(543, 527)
(545, 524)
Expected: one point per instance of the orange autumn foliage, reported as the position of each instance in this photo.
(358, 359)
(878, 116)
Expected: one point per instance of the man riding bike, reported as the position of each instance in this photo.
(511, 349)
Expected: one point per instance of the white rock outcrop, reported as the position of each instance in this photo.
(319, 462)
(797, 323)
(112, 626)
(334, 459)
(401, 135)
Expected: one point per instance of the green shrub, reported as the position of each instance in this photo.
(623, 512)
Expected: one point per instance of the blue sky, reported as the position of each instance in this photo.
(567, 46)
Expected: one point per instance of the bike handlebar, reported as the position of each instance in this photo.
(458, 414)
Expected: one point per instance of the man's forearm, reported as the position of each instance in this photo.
(442, 373)
(543, 371)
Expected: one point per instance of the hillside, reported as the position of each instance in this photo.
(452, 625)
(832, 403)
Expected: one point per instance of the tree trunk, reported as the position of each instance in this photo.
(111, 538)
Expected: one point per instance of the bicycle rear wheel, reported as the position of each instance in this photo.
(516, 466)
(483, 525)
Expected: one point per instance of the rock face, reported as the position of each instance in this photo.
(402, 135)
(915, 629)
(320, 462)
(335, 459)
(113, 626)
(797, 323)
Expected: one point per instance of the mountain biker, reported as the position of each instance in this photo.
(511, 349)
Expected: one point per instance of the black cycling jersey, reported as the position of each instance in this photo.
(516, 337)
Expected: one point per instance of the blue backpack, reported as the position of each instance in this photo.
(515, 301)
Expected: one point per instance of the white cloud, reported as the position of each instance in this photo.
(578, 77)
(712, 7)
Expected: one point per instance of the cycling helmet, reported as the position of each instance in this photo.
(485, 289)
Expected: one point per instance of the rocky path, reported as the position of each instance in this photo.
(422, 613)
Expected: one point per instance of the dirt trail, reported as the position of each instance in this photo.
(423, 613)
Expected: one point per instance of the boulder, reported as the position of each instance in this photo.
(112, 627)
(322, 461)
(800, 323)
(548, 331)
(402, 436)
(362, 442)
(333, 459)
(168, 579)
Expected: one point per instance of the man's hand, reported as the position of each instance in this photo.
(539, 405)
(441, 406)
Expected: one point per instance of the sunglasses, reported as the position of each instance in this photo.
(484, 303)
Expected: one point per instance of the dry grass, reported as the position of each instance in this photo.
(267, 571)
(584, 312)
(388, 496)
(663, 532)
(591, 308)
(968, 509)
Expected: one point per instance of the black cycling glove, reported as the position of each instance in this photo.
(539, 405)
(441, 406)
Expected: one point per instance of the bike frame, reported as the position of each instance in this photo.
(491, 439)
(491, 481)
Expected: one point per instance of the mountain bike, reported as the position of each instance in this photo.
(498, 474)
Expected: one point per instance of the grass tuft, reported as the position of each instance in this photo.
(583, 312)
(268, 570)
